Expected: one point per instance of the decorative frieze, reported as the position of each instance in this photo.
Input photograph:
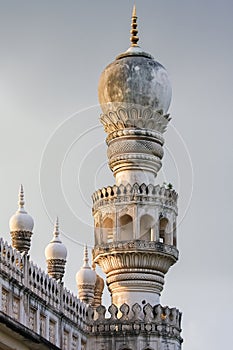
(56, 268)
(135, 116)
(21, 240)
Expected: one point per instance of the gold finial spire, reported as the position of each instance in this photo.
(134, 38)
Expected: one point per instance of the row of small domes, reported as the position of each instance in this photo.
(55, 252)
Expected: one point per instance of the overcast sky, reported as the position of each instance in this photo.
(52, 54)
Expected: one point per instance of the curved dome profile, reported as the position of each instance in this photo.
(134, 78)
(21, 220)
(56, 249)
(86, 275)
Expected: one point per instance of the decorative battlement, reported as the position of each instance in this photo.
(163, 321)
(134, 193)
(11, 262)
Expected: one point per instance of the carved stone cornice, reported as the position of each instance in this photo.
(141, 256)
(135, 265)
(136, 245)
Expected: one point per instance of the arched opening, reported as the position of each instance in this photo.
(146, 228)
(174, 235)
(97, 234)
(163, 223)
(126, 227)
(107, 229)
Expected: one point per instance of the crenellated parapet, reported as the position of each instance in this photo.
(134, 193)
(30, 297)
(135, 320)
(11, 262)
(143, 212)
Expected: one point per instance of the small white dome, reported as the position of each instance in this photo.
(56, 249)
(21, 220)
(86, 275)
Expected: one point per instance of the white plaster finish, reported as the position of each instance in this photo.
(56, 254)
(144, 204)
(38, 295)
(86, 280)
(137, 257)
(56, 249)
(21, 220)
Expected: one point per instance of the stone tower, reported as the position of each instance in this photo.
(135, 220)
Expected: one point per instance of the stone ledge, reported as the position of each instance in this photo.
(138, 245)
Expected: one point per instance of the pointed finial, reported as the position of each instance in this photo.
(21, 197)
(56, 228)
(134, 38)
(85, 257)
(134, 14)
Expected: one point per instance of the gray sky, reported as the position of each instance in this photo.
(52, 54)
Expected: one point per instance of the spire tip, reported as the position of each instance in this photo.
(134, 38)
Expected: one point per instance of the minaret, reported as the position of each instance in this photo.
(86, 281)
(135, 220)
(56, 254)
(21, 226)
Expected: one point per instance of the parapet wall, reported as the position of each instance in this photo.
(45, 306)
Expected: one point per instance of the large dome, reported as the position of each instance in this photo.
(134, 78)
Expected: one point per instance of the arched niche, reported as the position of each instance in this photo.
(174, 235)
(97, 233)
(107, 230)
(163, 224)
(146, 228)
(126, 227)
